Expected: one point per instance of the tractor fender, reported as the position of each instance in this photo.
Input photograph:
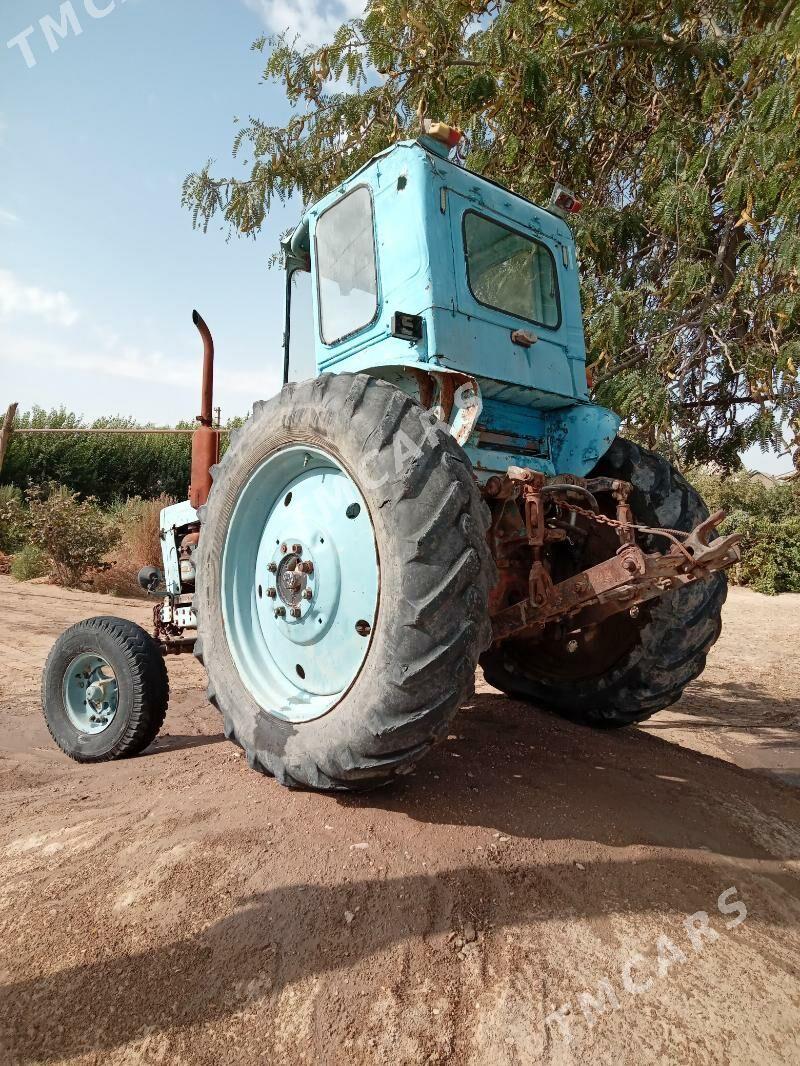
(579, 436)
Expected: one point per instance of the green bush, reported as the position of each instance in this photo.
(74, 534)
(742, 492)
(12, 519)
(768, 520)
(770, 552)
(109, 467)
(29, 562)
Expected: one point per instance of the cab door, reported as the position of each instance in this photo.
(509, 280)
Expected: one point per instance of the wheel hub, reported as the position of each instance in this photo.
(299, 583)
(295, 581)
(91, 693)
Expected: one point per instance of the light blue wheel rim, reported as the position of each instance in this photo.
(91, 693)
(299, 635)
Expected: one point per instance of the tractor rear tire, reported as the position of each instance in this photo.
(661, 654)
(428, 622)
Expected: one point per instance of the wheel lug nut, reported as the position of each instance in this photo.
(273, 568)
(284, 549)
(297, 548)
(572, 646)
(307, 567)
(280, 612)
(295, 612)
(272, 593)
(307, 594)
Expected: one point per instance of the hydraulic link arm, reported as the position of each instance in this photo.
(629, 578)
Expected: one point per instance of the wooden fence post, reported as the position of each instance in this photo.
(5, 432)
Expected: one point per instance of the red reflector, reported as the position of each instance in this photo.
(440, 131)
(568, 203)
(564, 201)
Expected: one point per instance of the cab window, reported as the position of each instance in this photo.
(302, 356)
(346, 270)
(511, 272)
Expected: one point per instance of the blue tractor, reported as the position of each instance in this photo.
(442, 494)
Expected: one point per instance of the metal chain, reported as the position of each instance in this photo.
(668, 534)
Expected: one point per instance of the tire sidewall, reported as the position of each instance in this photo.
(361, 713)
(79, 640)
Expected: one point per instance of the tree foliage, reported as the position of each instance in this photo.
(676, 122)
(768, 521)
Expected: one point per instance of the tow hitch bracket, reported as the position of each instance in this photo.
(629, 578)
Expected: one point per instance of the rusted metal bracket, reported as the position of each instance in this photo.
(454, 399)
(627, 579)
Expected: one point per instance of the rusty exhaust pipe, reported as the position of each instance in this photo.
(205, 440)
(206, 416)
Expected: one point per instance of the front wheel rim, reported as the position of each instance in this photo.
(91, 693)
(299, 583)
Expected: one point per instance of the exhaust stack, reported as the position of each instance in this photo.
(205, 440)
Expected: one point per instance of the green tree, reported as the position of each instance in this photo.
(678, 125)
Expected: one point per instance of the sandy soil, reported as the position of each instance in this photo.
(178, 908)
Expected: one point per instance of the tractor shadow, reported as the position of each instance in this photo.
(761, 732)
(285, 935)
(733, 705)
(522, 772)
(564, 790)
(180, 742)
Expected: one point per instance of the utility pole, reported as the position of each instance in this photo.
(5, 432)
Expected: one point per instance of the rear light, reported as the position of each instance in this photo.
(564, 202)
(439, 131)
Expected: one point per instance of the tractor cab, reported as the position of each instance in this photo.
(437, 279)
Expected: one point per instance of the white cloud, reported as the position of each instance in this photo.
(8, 218)
(17, 299)
(314, 21)
(125, 362)
(121, 361)
(96, 357)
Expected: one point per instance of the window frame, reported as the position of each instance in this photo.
(527, 237)
(373, 320)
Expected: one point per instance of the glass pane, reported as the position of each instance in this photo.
(510, 272)
(302, 357)
(348, 287)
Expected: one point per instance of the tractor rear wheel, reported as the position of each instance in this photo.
(623, 670)
(342, 584)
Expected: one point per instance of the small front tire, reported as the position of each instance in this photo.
(104, 690)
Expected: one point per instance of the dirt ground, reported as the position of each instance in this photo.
(522, 898)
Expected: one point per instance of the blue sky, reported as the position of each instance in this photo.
(99, 266)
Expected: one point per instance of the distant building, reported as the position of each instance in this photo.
(769, 481)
